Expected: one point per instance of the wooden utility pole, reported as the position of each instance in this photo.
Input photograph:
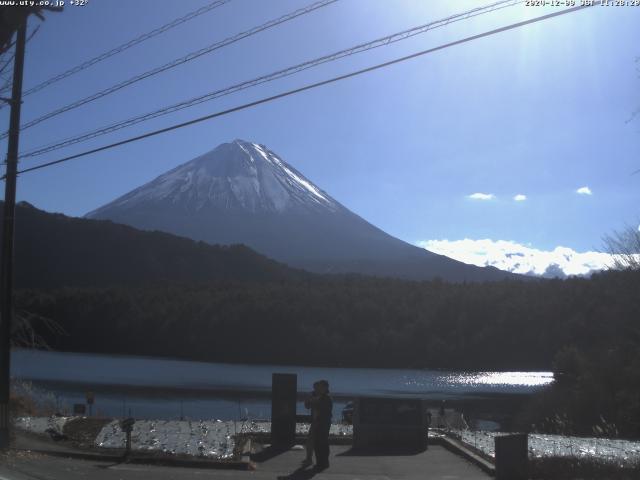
(6, 274)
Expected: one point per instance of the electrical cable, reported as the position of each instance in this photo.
(178, 61)
(383, 41)
(306, 87)
(124, 46)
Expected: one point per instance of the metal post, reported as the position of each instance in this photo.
(283, 409)
(128, 445)
(6, 275)
(127, 427)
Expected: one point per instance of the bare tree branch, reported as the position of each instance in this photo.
(624, 247)
(25, 334)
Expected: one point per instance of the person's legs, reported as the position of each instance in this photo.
(321, 446)
(309, 446)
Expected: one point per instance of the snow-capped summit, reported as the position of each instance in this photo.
(242, 192)
(235, 176)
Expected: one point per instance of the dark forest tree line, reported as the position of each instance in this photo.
(350, 320)
(588, 330)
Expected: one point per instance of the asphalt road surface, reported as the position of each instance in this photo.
(436, 463)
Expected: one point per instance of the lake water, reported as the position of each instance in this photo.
(162, 388)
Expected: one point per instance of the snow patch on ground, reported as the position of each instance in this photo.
(203, 438)
(214, 439)
(544, 446)
(41, 424)
(257, 426)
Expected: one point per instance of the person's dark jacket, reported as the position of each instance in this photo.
(323, 406)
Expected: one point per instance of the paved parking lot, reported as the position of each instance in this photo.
(434, 464)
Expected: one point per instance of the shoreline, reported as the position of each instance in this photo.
(142, 357)
(223, 392)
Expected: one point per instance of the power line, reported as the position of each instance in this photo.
(379, 42)
(125, 46)
(6, 81)
(305, 88)
(9, 61)
(4, 49)
(179, 61)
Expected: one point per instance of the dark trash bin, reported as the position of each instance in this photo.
(512, 457)
(392, 424)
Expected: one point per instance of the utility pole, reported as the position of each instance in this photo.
(6, 275)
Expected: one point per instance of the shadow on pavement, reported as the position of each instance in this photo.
(267, 454)
(115, 464)
(302, 473)
(386, 452)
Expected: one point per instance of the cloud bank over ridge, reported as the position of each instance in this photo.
(518, 258)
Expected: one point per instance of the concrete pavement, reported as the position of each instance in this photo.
(436, 463)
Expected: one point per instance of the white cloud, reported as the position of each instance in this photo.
(482, 196)
(584, 191)
(520, 197)
(518, 258)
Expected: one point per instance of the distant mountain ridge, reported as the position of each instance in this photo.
(53, 250)
(243, 193)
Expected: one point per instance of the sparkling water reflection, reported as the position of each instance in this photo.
(163, 388)
(517, 379)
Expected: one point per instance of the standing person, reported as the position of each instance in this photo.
(323, 407)
(310, 403)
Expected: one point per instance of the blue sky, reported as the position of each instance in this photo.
(541, 111)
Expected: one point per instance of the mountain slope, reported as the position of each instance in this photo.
(241, 192)
(53, 250)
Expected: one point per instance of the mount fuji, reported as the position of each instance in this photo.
(241, 192)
